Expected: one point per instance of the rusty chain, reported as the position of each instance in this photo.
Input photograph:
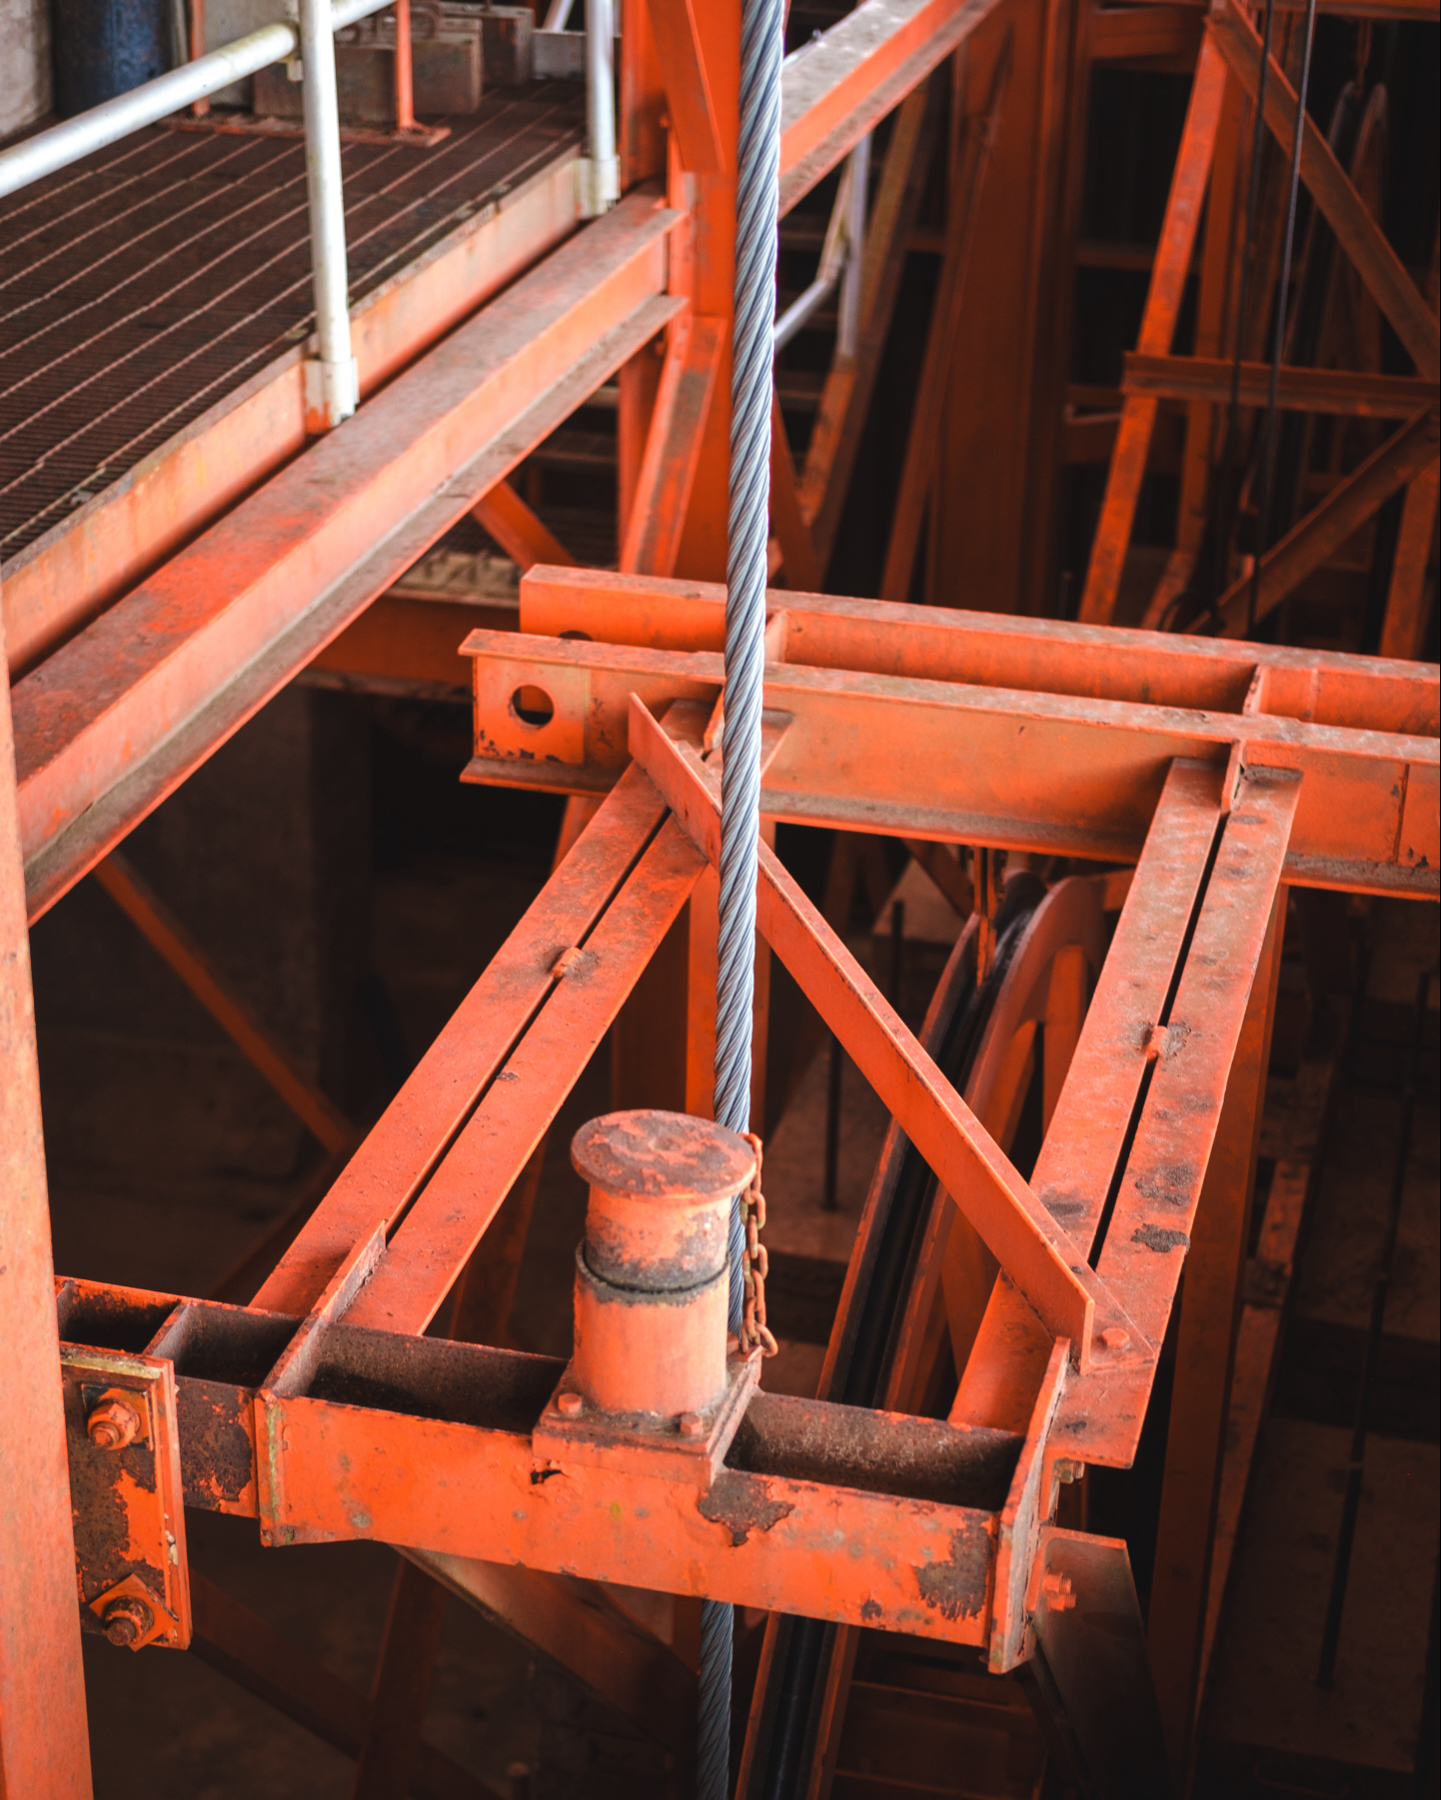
(755, 1334)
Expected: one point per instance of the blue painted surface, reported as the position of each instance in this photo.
(106, 47)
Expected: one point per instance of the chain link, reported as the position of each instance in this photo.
(755, 1335)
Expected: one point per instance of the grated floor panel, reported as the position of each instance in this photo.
(142, 285)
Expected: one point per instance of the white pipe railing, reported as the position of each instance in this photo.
(848, 325)
(332, 384)
(331, 387)
(66, 143)
(601, 169)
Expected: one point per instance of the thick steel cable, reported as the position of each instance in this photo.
(757, 218)
(1278, 342)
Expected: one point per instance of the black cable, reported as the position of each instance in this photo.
(1278, 341)
(1224, 522)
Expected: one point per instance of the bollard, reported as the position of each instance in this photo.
(652, 1279)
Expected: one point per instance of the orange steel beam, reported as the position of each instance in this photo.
(518, 531)
(1367, 819)
(1357, 231)
(1344, 393)
(844, 82)
(1087, 1135)
(969, 1164)
(693, 117)
(169, 938)
(446, 1221)
(68, 577)
(1148, 1233)
(793, 535)
(122, 713)
(656, 519)
(412, 1136)
(1158, 327)
(846, 396)
(894, 1524)
(1311, 541)
(1210, 1310)
(966, 181)
(1407, 609)
(1363, 693)
(44, 1744)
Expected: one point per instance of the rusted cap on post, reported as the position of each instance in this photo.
(661, 1186)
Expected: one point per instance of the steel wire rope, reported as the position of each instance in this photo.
(1268, 429)
(752, 382)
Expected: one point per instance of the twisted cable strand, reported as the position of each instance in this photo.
(757, 214)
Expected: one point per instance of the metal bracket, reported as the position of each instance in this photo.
(123, 1441)
(690, 1448)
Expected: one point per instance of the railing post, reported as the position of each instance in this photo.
(331, 382)
(601, 168)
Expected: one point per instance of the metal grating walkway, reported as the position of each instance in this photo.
(140, 286)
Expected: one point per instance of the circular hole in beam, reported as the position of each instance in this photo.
(532, 705)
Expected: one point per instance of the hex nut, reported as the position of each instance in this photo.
(127, 1621)
(1056, 1592)
(570, 1406)
(113, 1424)
(690, 1424)
(1115, 1337)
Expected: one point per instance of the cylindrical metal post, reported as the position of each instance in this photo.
(404, 73)
(848, 332)
(198, 108)
(602, 168)
(331, 383)
(653, 1273)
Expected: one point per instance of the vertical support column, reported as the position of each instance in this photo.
(1205, 1353)
(1158, 327)
(1215, 327)
(331, 379)
(44, 1746)
(709, 194)
(404, 85)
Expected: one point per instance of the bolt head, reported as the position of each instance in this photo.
(126, 1621)
(113, 1424)
(570, 1406)
(690, 1424)
(1115, 1338)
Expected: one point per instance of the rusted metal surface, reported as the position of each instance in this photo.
(651, 1369)
(44, 1745)
(850, 77)
(401, 472)
(123, 1437)
(1087, 1621)
(405, 1418)
(1367, 819)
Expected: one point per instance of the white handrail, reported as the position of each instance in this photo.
(331, 389)
(66, 143)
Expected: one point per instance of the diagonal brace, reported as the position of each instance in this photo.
(1046, 1266)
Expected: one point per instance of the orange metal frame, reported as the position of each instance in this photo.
(351, 1424)
(1223, 771)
